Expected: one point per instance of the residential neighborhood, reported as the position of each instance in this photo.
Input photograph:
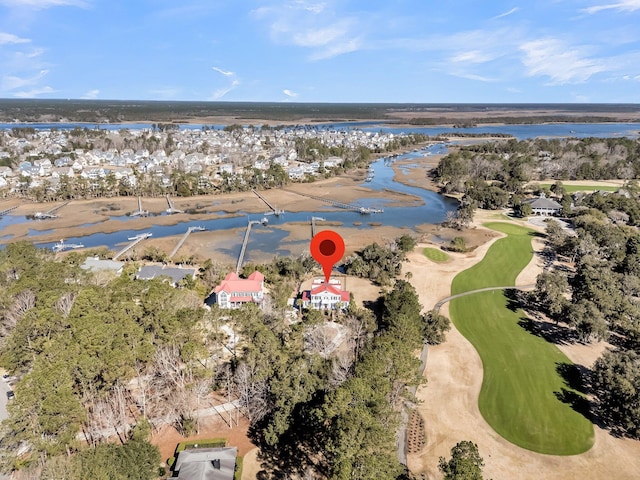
(58, 163)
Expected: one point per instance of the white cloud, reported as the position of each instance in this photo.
(10, 82)
(10, 38)
(226, 73)
(473, 56)
(623, 6)
(334, 50)
(221, 92)
(33, 92)
(561, 63)
(319, 37)
(506, 14)
(311, 7)
(289, 93)
(326, 31)
(41, 4)
(91, 94)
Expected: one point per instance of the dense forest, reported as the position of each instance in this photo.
(597, 297)
(98, 357)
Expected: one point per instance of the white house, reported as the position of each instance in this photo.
(234, 291)
(325, 296)
(544, 206)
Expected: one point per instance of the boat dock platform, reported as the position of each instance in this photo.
(50, 213)
(136, 239)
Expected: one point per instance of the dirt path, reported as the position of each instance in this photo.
(450, 398)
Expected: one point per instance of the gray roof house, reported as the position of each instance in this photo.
(544, 206)
(206, 464)
(149, 272)
(96, 265)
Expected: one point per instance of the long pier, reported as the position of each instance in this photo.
(8, 210)
(137, 240)
(275, 211)
(50, 213)
(244, 243)
(344, 206)
(184, 238)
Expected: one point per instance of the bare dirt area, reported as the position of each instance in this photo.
(168, 438)
(449, 401)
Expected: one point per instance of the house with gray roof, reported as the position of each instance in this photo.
(206, 464)
(175, 274)
(544, 206)
(95, 264)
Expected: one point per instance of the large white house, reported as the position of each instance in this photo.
(325, 296)
(234, 291)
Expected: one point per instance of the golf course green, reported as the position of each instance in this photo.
(435, 254)
(524, 396)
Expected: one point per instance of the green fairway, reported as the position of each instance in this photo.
(521, 387)
(584, 188)
(435, 254)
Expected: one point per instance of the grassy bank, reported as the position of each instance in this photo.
(524, 396)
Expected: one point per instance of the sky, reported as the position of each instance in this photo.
(398, 51)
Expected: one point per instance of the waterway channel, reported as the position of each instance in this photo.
(270, 238)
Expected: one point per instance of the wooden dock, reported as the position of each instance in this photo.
(138, 239)
(313, 224)
(344, 206)
(171, 210)
(184, 238)
(50, 213)
(8, 210)
(244, 243)
(140, 212)
(274, 210)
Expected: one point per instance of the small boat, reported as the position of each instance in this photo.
(264, 220)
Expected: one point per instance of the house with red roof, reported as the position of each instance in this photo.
(325, 296)
(234, 291)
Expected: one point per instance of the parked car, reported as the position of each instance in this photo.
(10, 395)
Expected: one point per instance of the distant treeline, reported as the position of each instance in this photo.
(518, 120)
(115, 111)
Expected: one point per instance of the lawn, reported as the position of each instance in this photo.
(523, 397)
(435, 254)
(584, 188)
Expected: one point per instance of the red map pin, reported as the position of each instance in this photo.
(327, 247)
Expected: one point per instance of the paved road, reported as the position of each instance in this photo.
(439, 305)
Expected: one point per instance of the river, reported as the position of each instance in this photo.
(270, 238)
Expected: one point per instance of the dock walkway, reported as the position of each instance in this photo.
(184, 238)
(131, 245)
(344, 206)
(275, 211)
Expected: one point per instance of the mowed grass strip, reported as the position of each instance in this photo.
(584, 188)
(435, 254)
(521, 384)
